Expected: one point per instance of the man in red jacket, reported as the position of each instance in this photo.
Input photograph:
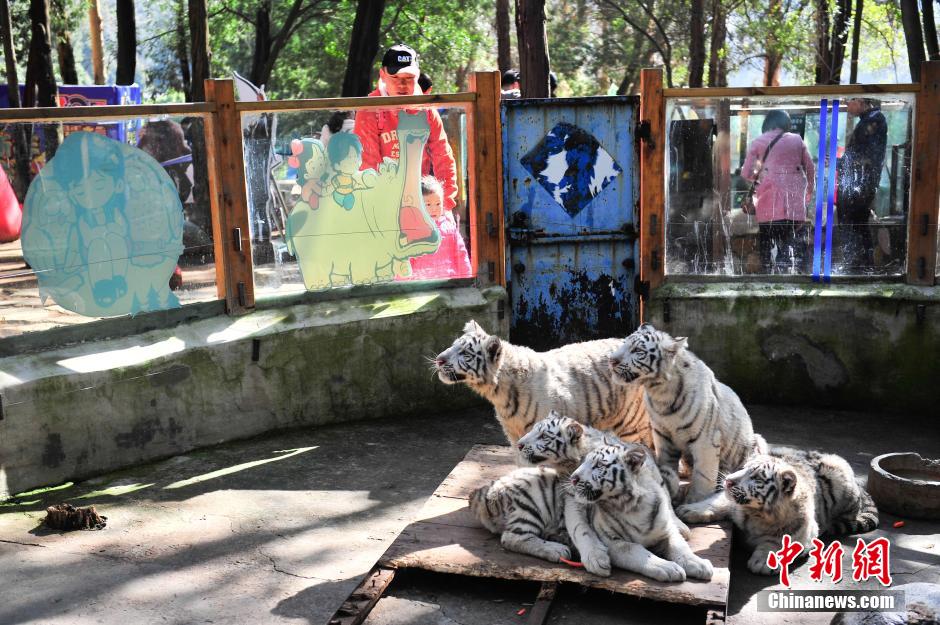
(377, 128)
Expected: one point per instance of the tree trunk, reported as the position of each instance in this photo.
(94, 33)
(840, 34)
(262, 45)
(533, 48)
(772, 61)
(182, 49)
(20, 142)
(914, 36)
(697, 43)
(363, 46)
(199, 46)
(126, 42)
(503, 44)
(930, 32)
(66, 58)
(717, 59)
(40, 75)
(856, 34)
(823, 62)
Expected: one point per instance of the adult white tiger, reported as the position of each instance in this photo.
(524, 385)
(692, 413)
(803, 493)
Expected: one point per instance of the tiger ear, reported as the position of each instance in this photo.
(493, 348)
(788, 482)
(472, 327)
(634, 459)
(575, 430)
(647, 327)
(676, 345)
(553, 414)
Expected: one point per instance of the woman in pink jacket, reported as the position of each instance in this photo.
(780, 163)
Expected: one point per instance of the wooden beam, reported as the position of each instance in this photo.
(652, 184)
(731, 92)
(543, 604)
(344, 104)
(485, 156)
(925, 180)
(226, 165)
(95, 113)
(357, 607)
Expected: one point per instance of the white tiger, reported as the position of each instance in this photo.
(562, 443)
(628, 510)
(692, 414)
(797, 492)
(527, 510)
(523, 385)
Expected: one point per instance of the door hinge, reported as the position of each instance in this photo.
(644, 132)
(642, 287)
(500, 309)
(490, 225)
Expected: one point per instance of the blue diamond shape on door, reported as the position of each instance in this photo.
(572, 166)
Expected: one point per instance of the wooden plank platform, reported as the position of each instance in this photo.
(447, 538)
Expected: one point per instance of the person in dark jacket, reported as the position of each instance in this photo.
(859, 176)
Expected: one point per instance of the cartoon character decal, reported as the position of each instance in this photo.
(359, 227)
(102, 228)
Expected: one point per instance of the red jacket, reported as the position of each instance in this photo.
(377, 131)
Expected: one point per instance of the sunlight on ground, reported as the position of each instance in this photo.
(136, 355)
(114, 491)
(288, 453)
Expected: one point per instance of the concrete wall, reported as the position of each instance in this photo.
(73, 412)
(868, 347)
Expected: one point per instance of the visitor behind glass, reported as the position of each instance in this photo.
(779, 165)
(859, 176)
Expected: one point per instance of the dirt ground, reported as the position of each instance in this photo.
(280, 529)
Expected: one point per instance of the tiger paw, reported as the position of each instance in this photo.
(692, 513)
(758, 563)
(664, 571)
(554, 552)
(684, 530)
(597, 561)
(696, 567)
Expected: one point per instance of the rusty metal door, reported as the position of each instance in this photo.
(570, 190)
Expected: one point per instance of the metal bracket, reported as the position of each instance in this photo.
(667, 311)
(642, 287)
(500, 309)
(237, 239)
(255, 350)
(242, 297)
(490, 225)
(491, 271)
(920, 313)
(644, 132)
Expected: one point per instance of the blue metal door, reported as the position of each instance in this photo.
(570, 191)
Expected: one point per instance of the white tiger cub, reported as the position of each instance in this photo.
(797, 492)
(523, 385)
(629, 511)
(692, 413)
(562, 443)
(526, 508)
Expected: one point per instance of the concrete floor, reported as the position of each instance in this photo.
(279, 529)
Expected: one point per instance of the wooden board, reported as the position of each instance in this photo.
(447, 538)
(925, 180)
(652, 184)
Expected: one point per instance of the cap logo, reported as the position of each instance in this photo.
(404, 59)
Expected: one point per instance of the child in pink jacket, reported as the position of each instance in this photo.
(451, 259)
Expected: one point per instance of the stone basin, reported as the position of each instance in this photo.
(906, 484)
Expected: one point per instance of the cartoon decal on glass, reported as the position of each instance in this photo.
(102, 228)
(359, 227)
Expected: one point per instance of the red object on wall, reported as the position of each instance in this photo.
(11, 213)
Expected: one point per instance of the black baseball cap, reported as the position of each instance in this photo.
(401, 59)
(510, 76)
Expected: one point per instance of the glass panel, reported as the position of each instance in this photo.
(750, 190)
(115, 221)
(338, 198)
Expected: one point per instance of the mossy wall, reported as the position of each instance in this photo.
(866, 347)
(97, 406)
